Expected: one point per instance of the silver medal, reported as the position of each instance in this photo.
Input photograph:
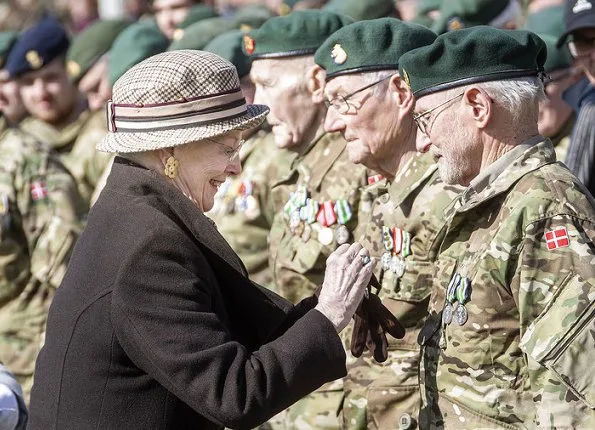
(342, 235)
(386, 257)
(447, 312)
(397, 266)
(461, 314)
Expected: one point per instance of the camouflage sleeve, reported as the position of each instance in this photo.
(556, 291)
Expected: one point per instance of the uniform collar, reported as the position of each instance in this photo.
(507, 170)
(49, 135)
(408, 179)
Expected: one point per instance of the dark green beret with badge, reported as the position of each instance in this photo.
(459, 14)
(252, 16)
(7, 39)
(199, 34)
(229, 46)
(90, 45)
(196, 14)
(362, 9)
(299, 33)
(367, 46)
(136, 43)
(472, 55)
(549, 20)
(557, 58)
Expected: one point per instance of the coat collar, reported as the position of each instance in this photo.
(134, 180)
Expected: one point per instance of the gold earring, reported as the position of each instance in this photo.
(171, 167)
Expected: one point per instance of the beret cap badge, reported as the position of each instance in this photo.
(406, 78)
(73, 68)
(178, 34)
(34, 59)
(249, 44)
(455, 24)
(338, 54)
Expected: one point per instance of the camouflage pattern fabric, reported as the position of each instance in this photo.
(75, 145)
(243, 209)
(298, 257)
(386, 395)
(523, 356)
(40, 209)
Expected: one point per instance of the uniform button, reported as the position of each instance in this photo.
(405, 422)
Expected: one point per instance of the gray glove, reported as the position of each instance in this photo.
(348, 272)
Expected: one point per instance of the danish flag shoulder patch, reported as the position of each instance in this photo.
(557, 238)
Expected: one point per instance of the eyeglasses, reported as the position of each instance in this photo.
(424, 122)
(340, 102)
(552, 79)
(581, 46)
(231, 153)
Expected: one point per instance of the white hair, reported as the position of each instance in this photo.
(519, 97)
(371, 77)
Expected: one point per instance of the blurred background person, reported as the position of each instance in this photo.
(11, 105)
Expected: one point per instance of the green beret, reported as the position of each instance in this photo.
(200, 33)
(7, 39)
(299, 33)
(549, 20)
(89, 45)
(136, 43)
(195, 14)
(458, 14)
(360, 10)
(371, 45)
(472, 55)
(557, 58)
(286, 7)
(229, 46)
(252, 16)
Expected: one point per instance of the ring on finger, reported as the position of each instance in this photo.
(365, 259)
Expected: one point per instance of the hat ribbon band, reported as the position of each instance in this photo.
(180, 113)
(160, 124)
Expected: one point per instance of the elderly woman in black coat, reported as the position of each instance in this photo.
(156, 325)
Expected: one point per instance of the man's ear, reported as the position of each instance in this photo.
(403, 93)
(315, 82)
(481, 105)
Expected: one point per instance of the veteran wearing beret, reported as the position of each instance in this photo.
(316, 201)
(243, 209)
(170, 14)
(11, 105)
(40, 210)
(372, 106)
(156, 312)
(458, 14)
(59, 115)
(508, 342)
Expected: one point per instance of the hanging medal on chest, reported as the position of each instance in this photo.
(458, 293)
(397, 244)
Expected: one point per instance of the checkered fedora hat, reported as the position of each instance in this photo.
(175, 98)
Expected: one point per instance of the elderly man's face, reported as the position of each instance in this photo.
(95, 85)
(449, 134)
(367, 121)
(281, 85)
(48, 94)
(582, 48)
(553, 110)
(169, 14)
(11, 103)
(205, 165)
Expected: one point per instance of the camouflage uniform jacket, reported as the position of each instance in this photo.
(298, 252)
(517, 267)
(382, 396)
(40, 209)
(75, 145)
(243, 211)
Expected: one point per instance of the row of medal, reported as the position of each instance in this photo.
(397, 243)
(457, 294)
(306, 215)
(236, 197)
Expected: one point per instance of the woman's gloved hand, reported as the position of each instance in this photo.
(348, 272)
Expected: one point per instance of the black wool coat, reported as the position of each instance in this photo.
(156, 325)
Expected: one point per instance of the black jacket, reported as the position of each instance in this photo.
(156, 325)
